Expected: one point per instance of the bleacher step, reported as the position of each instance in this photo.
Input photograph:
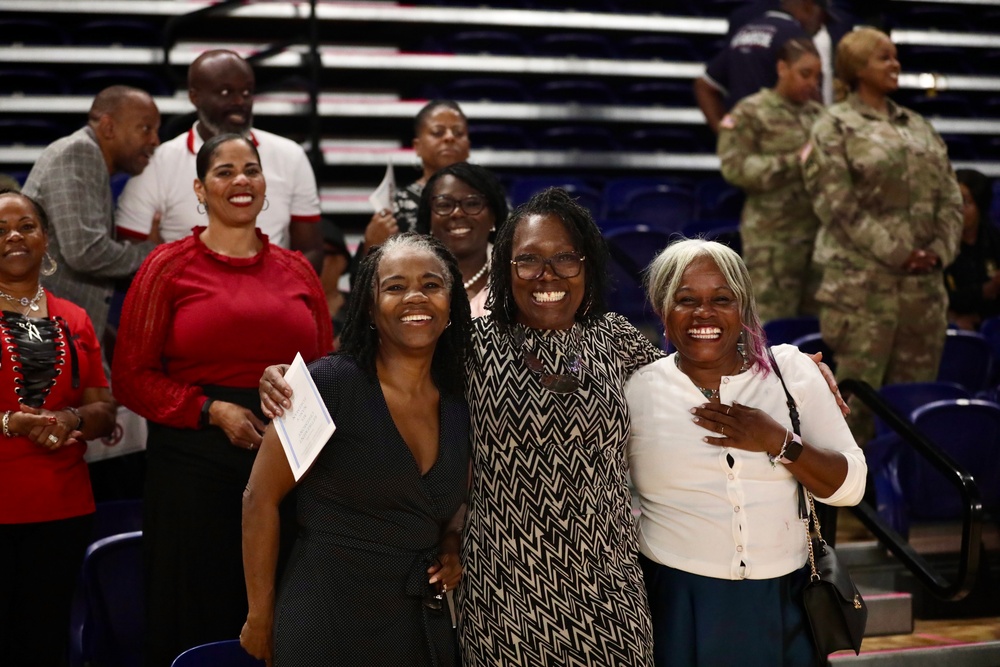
(980, 654)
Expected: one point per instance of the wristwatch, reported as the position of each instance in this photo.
(793, 450)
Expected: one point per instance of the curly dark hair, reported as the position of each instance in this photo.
(587, 239)
(359, 339)
(479, 179)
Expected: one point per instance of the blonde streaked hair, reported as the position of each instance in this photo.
(664, 275)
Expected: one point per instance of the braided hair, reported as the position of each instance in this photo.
(587, 240)
(360, 340)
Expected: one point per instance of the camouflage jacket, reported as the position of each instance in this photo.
(882, 187)
(759, 146)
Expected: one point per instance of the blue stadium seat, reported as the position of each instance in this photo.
(721, 231)
(907, 397)
(617, 190)
(577, 138)
(718, 199)
(575, 90)
(632, 249)
(94, 81)
(31, 82)
(217, 654)
(30, 131)
(31, 31)
(522, 189)
(111, 518)
(671, 94)
(969, 432)
(500, 137)
(967, 360)
(788, 329)
(496, 42)
(126, 32)
(492, 89)
(661, 47)
(665, 140)
(575, 44)
(113, 585)
(662, 207)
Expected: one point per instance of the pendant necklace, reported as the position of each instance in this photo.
(31, 304)
(24, 301)
(710, 393)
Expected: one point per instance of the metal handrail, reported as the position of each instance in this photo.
(311, 61)
(972, 506)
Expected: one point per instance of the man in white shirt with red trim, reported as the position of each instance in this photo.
(221, 88)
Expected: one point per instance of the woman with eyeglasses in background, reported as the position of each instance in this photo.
(461, 206)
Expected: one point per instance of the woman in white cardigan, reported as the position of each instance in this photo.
(717, 467)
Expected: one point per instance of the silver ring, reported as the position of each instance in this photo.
(728, 409)
(53, 439)
(445, 587)
(722, 431)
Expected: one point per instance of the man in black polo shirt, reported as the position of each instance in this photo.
(748, 63)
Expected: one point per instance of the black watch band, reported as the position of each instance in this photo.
(204, 421)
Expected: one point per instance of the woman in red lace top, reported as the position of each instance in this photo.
(53, 396)
(202, 319)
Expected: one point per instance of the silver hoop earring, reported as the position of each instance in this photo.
(50, 268)
(447, 325)
(267, 204)
(201, 208)
(371, 326)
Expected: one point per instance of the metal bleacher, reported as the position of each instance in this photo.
(380, 61)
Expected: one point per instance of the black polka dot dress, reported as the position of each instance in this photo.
(355, 590)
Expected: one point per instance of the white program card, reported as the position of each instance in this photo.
(307, 425)
(381, 199)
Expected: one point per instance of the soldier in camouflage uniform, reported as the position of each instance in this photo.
(891, 215)
(759, 145)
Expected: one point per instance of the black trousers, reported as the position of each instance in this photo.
(39, 566)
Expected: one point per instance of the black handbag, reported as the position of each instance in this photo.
(836, 612)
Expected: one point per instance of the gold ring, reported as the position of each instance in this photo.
(728, 409)
(722, 431)
(445, 586)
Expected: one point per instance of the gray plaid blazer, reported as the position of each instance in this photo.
(71, 182)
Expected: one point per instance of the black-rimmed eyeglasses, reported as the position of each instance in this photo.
(564, 265)
(445, 205)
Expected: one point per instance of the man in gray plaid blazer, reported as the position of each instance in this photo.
(71, 180)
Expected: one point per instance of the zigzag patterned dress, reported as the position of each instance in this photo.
(551, 576)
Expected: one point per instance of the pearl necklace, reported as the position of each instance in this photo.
(479, 274)
(25, 302)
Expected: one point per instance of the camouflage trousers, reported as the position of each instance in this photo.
(783, 275)
(883, 329)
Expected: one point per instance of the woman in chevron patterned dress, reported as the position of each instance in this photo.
(551, 571)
